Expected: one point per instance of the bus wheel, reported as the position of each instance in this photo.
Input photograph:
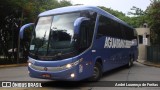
(130, 63)
(97, 73)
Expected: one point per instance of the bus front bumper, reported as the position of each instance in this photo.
(71, 74)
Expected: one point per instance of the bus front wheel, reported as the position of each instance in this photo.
(97, 72)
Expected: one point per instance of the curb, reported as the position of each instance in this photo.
(149, 63)
(13, 65)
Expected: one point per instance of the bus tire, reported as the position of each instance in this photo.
(130, 63)
(97, 72)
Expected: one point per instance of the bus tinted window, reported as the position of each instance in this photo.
(108, 27)
(129, 34)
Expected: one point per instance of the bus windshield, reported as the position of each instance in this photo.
(53, 37)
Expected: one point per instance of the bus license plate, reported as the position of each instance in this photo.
(46, 75)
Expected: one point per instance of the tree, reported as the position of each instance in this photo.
(65, 3)
(138, 15)
(136, 11)
(15, 13)
(153, 19)
(129, 20)
(10, 22)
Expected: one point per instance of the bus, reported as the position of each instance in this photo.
(79, 42)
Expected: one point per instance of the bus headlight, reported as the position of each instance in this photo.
(29, 63)
(70, 65)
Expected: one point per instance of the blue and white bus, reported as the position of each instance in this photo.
(78, 42)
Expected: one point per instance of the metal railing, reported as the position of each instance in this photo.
(153, 54)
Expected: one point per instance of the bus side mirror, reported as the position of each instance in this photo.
(77, 24)
(81, 29)
(24, 27)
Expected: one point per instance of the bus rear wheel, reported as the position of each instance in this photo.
(97, 72)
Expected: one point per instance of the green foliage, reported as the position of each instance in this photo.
(151, 16)
(153, 19)
(132, 21)
(15, 13)
(137, 11)
(64, 3)
(31, 8)
(138, 15)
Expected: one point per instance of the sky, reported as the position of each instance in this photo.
(120, 5)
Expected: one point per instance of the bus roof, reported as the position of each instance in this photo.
(81, 8)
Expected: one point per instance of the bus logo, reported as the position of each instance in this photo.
(45, 68)
(117, 43)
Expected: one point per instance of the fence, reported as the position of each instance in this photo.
(153, 54)
(11, 58)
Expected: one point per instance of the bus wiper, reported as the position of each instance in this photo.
(50, 33)
(49, 41)
(36, 53)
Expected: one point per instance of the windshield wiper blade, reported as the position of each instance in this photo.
(49, 41)
(36, 53)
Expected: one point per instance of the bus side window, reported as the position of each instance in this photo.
(108, 27)
(86, 34)
(102, 27)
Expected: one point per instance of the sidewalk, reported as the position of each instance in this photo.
(148, 63)
(13, 65)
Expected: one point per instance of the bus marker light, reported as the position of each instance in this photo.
(93, 50)
(72, 75)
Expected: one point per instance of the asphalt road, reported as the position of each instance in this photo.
(138, 72)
